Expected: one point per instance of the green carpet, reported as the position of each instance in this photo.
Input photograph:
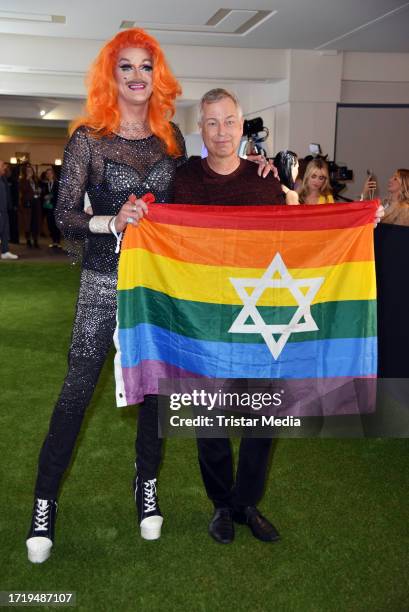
(341, 505)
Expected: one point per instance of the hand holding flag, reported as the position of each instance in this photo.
(133, 210)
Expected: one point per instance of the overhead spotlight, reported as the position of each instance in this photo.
(42, 112)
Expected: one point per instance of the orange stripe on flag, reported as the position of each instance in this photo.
(229, 247)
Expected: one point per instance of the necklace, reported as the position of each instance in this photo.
(134, 130)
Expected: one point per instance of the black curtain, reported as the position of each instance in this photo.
(392, 274)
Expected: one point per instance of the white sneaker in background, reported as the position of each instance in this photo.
(9, 255)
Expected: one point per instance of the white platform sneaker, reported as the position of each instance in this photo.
(41, 535)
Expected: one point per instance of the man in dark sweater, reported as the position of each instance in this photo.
(224, 178)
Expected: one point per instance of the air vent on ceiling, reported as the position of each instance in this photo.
(127, 24)
(224, 22)
(218, 17)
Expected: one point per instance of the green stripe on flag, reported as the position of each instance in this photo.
(204, 321)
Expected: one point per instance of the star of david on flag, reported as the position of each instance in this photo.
(270, 280)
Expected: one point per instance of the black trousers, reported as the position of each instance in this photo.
(216, 465)
(93, 330)
(52, 226)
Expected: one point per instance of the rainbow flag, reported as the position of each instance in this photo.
(266, 292)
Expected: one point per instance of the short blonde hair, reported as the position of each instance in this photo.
(214, 95)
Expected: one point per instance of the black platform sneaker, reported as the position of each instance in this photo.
(149, 514)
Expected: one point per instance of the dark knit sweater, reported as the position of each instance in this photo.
(197, 183)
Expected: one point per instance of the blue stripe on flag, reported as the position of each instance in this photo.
(314, 359)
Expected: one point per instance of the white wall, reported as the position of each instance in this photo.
(386, 67)
(374, 92)
(372, 138)
(295, 91)
(282, 127)
(33, 65)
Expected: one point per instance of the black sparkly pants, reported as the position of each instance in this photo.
(92, 335)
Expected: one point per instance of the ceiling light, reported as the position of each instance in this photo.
(42, 112)
(39, 17)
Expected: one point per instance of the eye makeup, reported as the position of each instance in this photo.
(126, 66)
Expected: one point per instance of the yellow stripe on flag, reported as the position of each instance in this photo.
(202, 283)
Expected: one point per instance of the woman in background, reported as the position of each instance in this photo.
(316, 187)
(396, 203)
(287, 165)
(30, 205)
(392, 279)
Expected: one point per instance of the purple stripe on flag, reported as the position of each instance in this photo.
(143, 379)
(300, 397)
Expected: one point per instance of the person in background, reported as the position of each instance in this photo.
(30, 193)
(286, 163)
(316, 187)
(391, 248)
(396, 203)
(12, 172)
(5, 207)
(49, 198)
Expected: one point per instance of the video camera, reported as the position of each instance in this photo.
(256, 133)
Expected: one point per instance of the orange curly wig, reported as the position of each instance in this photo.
(102, 113)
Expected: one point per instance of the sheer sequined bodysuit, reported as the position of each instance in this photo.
(109, 169)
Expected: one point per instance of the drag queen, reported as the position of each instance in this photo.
(124, 145)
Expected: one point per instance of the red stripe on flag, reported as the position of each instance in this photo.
(286, 218)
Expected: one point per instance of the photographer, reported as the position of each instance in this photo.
(397, 201)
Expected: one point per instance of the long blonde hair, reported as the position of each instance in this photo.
(403, 175)
(325, 189)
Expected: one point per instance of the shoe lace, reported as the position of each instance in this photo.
(42, 514)
(149, 496)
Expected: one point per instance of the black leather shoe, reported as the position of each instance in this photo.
(221, 526)
(260, 527)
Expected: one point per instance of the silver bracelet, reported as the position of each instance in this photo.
(100, 224)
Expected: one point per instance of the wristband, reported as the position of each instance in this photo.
(112, 228)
